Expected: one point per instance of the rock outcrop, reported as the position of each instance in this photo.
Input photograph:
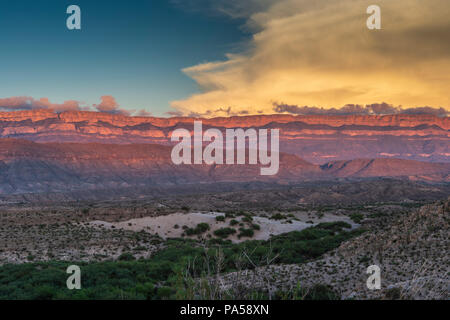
(318, 139)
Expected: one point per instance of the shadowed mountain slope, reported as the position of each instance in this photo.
(29, 167)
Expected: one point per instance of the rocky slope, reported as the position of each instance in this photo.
(365, 168)
(317, 139)
(27, 166)
(30, 167)
(412, 251)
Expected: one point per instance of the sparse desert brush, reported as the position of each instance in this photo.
(224, 232)
(357, 217)
(278, 216)
(199, 229)
(245, 233)
(220, 218)
(256, 226)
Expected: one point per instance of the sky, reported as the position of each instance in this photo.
(133, 51)
(226, 57)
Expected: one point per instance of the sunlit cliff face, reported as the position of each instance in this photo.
(321, 53)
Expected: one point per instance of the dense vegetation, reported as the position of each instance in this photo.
(164, 275)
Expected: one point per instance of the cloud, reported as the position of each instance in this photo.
(174, 113)
(220, 112)
(143, 113)
(29, 103)
(320, 53)
(233, 9)
(108, 104)
(352, 109)
(440, 112)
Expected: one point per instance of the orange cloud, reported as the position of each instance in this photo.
(108, 104)
(27, 103)
(320, 53)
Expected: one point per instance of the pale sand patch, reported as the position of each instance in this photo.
(164, 226)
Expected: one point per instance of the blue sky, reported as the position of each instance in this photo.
(131, 50)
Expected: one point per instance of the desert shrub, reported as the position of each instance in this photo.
(321, 292)
(245, 233)
(220, 218)
(334, 226)
(164, 293)
(316, 292)
(277, 216)
(356, 217)
(199, 229)
(364, 259)
(44, 292)
(156, 277)
(219, 242)
(234, 222)
(394, 293)
(224, 232)
(256, 226)
(126, 256)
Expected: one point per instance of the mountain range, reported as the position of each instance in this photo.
(31, 167)
(318, 139)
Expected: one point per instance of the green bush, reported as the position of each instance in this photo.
(164, 293)
(126, 256)
(334, 226)
(277, 216)
(245, 233)
(157, 277)
(224, 232)
(394, 293)
(199, 229)
(356, 217)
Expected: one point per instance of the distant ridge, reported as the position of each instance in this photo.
(401, 120)
(318, 139)
(29, 167)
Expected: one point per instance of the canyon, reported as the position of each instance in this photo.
(96, 187)
(30, 167)
(318, 138)
(46, 152)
